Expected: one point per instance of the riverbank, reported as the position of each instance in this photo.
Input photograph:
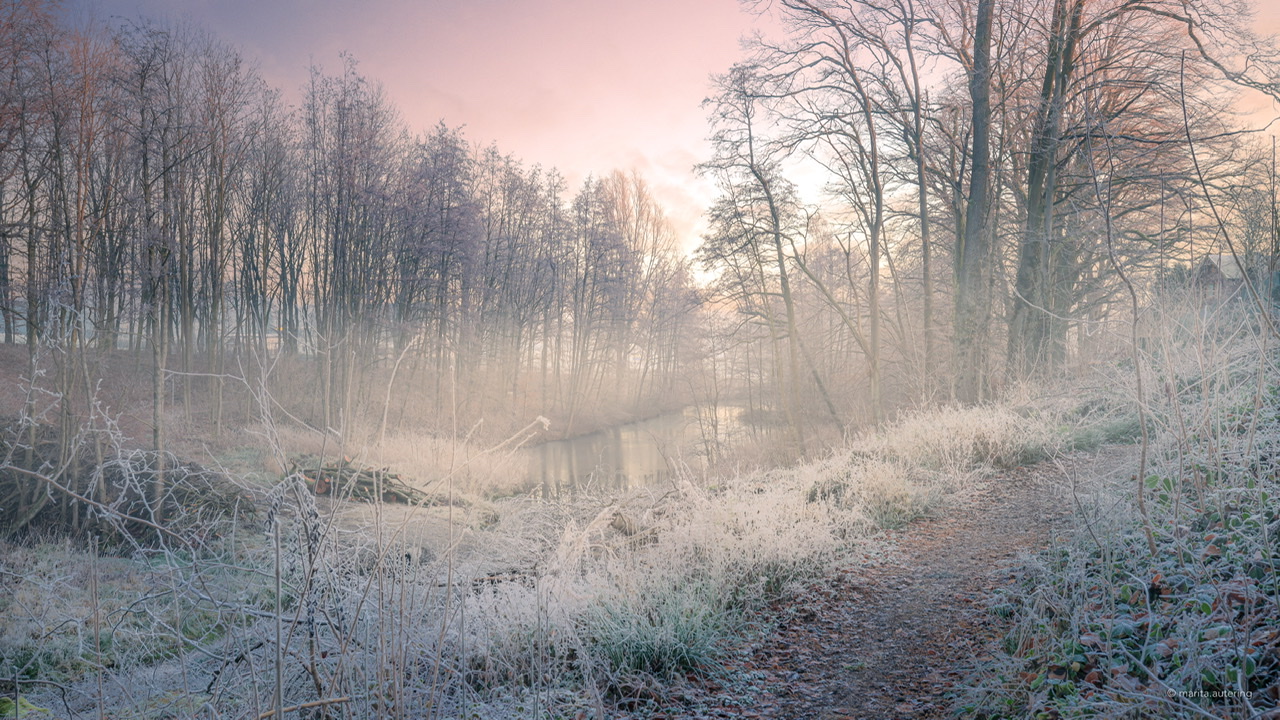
(514, 608)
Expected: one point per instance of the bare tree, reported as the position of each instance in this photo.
(756, 215)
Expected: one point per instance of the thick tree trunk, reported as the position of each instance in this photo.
(973, 306)
(1037, 340)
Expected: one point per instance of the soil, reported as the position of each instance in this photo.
(895, 637)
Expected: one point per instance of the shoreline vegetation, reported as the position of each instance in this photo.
(476, 605)
(481, 605)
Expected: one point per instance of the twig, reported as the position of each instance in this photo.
(1204, 187)
(62, 689)
(1080, 507)
(307, 706)
(1133, 335)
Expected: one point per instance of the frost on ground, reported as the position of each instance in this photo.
(1104, 627)
(517, 607)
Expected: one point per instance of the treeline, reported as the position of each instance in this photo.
(1006, 183)
(157, 196)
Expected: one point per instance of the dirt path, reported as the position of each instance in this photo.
(893, 637)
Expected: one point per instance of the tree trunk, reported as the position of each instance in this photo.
(1036, 340)
(973, 308)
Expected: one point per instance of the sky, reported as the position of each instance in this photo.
(1266, 22)
(585, 86)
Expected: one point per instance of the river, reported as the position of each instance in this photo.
(624, 457)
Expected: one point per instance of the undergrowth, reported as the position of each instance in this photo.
(546, 608)
(1103, 628)
(526, 606)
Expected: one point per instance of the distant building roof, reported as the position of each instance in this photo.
(1226, 264)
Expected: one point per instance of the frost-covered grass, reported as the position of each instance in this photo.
(545, 608)
(1105, 628)
(70, 615)
(952, 441)
(472, 468)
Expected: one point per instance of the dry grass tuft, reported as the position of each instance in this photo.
(953, 441)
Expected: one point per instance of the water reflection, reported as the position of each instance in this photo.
(623, 457)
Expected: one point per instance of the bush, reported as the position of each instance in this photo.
(956, 440)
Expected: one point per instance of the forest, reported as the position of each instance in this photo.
(951, 239)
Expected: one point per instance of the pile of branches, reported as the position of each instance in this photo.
(346, 479)
(90, 484)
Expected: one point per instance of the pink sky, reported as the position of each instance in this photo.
(1266, 22)
(586, 86)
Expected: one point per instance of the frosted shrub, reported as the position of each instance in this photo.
(956, 440)
(890, 498)
(605, 607)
